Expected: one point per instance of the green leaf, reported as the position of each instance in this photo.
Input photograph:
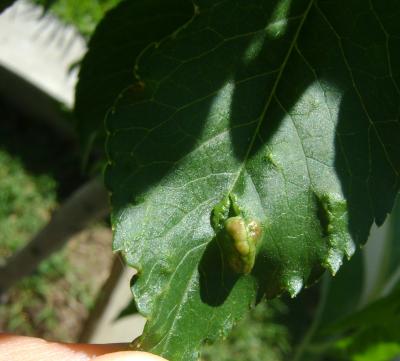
(283, 113)
(374, 332)
(370, 275)
(84, 15)
(384, 351)
(107, 68)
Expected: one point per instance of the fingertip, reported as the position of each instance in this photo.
(21, 348)
(129, 356)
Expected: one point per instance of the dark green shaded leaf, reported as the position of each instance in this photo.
(284, 112)
(107, 67)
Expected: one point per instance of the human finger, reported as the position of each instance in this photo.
(129, 356)
(21, 348)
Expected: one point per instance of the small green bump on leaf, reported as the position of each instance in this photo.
(293, 285)
(269, 159)
(220, 213)
(234, 204)
(332, 214)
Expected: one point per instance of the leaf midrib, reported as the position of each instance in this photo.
(271, 95)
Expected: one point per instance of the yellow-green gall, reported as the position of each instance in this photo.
(238, 235)
(236, 228)
(240, 241)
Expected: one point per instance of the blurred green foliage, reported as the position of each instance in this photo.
(373, 333)
(25, 203)
(260, 336)
(37, 171)
(83, 14)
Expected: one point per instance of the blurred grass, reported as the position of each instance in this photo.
(83, 14)
(37, 172)
(26, 202)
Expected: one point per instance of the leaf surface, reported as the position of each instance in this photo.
(107, 68)
(282, 112)
(370, 276)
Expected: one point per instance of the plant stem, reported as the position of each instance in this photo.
(89, 203)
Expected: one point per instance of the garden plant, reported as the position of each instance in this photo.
(248, 147)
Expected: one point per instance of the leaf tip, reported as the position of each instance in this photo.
(293, 285)
(349, 249)
(333, 261)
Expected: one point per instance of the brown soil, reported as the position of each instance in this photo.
(91, 258)
(59, 312)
